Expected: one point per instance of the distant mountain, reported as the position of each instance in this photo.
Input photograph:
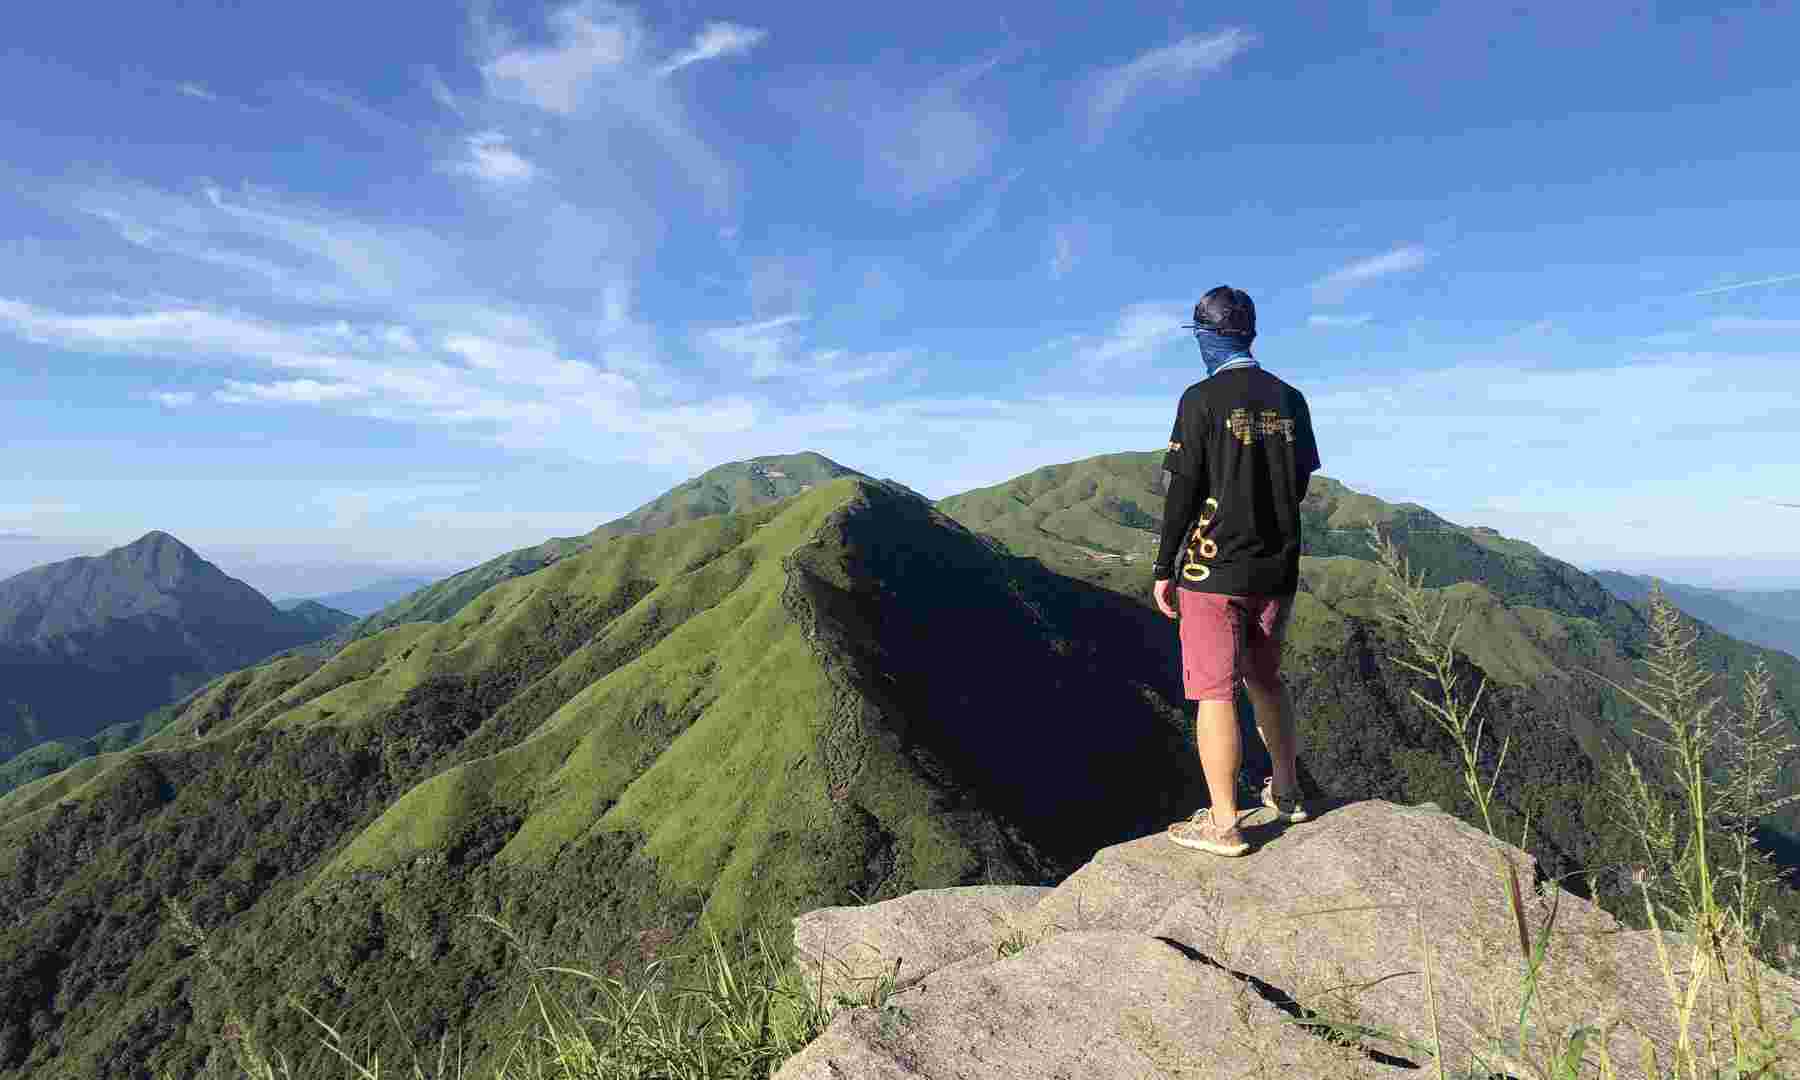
(1749, 616)
(327, 620)
(96, 641)
(730, 488)
(365, 600)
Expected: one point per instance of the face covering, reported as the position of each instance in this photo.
(1217, 348)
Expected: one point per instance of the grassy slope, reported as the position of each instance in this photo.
(733, 487)
(738, 718)
(1534, 621)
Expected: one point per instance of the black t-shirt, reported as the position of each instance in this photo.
(1239, 458)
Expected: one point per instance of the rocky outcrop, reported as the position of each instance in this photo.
(1154, 960)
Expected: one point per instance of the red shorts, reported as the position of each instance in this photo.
(1225, 638)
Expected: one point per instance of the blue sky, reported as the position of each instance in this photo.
(414, 283)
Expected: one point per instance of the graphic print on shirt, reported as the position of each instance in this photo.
(1201, 546)
(1268, 422)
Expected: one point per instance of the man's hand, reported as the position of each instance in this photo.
(1163, 592)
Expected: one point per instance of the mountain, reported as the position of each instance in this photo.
(327, 620)
(365, 600)
(1534, 623)
(99, 640)
(1748, 616)
(847, 695)
(725, 489)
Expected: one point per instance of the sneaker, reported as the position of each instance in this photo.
(1286, 807)
(1205, 834)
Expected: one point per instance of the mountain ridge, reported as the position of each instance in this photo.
(100, 640)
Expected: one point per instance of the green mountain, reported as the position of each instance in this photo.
(365, 600)
(1748, 616)
(725, 489)
(1534, 623)
(844, 695)
(734, 717)
(94, 641)
(326, 620)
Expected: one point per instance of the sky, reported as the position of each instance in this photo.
(330, 290)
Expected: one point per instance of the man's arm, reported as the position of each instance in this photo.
(1181, 500)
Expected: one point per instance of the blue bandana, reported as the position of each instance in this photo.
(1216, 348)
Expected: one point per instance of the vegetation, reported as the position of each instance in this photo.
(1675, 799)
(708, 728)
(726, 489)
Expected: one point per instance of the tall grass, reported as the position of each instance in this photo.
(1697, 776)
(723, 1013)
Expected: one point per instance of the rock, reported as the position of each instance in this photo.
(1095, 1004)
(923, 931)
(1330, 918)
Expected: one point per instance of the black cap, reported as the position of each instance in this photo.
(1226, 310)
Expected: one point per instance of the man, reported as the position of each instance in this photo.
(1237, 467)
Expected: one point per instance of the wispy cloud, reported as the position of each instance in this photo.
(977, 224)
(288, 392)
(1728, 324)
(1335, 286)
(1062, 250)
(715, 40)
(490, 157)
(174, 399)
(598, 67)
(1334, 322)
(440, 90)
(1140, 330)
(1169, 68)
(195, 90)
(1734, 286)
(929, 143)
(775, 349)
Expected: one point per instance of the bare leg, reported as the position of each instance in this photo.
(1275, 721)
(1221, 755)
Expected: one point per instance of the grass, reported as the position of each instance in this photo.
(1700, 776)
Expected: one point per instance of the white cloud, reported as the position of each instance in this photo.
(1169, 68)
(715, 40)
(926, 144)
(1140, 330)
(598, 67)
(1062, 255)
(1338, 284)
(1779, 279)
(492, 158)
(195, 90)
(767, 346)
(773, 349)
(1332, 322)
(977, 224)
(1742, 324)
(440, 90)
(174, 399)
(288, 392)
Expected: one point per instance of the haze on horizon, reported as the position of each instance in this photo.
(404, 286)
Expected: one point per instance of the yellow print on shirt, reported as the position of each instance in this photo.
(1267, 423)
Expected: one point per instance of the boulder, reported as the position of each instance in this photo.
(1094, 1004)
(851, 948)
(1333, 919)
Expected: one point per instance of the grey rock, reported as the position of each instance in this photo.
(851, 948)
(1332, 917)
(1099, 1004)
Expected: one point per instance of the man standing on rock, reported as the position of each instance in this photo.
(1238, 464)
